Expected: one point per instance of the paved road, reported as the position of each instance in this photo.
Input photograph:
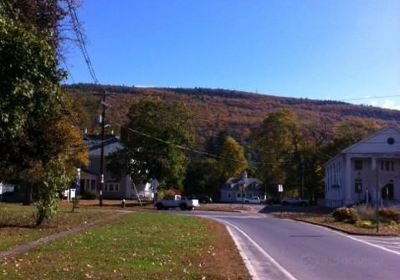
(391, 243)
(283, 249)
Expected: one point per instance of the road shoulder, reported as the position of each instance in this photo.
(258, 262)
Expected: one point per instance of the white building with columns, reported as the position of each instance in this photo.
(368, 171)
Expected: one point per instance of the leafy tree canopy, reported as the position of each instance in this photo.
(36, 133)
(154, 137)
(206, 176)
(232, 162)
(276, 141)
(29, 84)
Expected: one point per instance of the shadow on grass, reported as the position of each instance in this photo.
(13, 225)
(116, 205)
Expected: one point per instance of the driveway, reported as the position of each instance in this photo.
(284, 249)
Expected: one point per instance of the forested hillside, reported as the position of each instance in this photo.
(219, 109)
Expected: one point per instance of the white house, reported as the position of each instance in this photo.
(114, 188)
(231, 191)
(368, 171)
(6, 188)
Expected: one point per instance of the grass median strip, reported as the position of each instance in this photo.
(137, 246)
(17, 224)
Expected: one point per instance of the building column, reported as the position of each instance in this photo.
(375, 181)
(347, 182)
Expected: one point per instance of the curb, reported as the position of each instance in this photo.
(346, 231)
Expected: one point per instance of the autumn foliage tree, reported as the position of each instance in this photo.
(157, 139)
(231, 162)
(276, 141)
(294, 155)
(39, 145)
(226, 159)
(46, 18)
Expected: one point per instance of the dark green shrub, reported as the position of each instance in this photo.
(344, 214)
(390, 214)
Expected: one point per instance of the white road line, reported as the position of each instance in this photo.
(262, 251)
(373, 245)
(383, 242)
(245, 259)
(353, 238)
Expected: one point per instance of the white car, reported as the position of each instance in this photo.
(177, 201)
(254, 200)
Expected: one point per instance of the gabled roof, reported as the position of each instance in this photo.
(233, 183)
(111, 144)
(378, 142)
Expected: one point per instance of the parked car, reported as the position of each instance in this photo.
(205, 199)
(177, 201)
(254, 200)
(294, 201)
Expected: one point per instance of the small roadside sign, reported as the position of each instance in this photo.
(280, 188)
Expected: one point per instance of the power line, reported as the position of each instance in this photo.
(85, 53)
(82, 46)
(81, 41)
(196, 151)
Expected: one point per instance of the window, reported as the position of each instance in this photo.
(390, 140)
(111, 187)
(387, 165)
(82, 184)
(93, 184)
(358, 164)
(358, 186)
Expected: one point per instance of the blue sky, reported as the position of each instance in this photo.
(320, 49)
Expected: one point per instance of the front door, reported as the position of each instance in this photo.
(387, 192)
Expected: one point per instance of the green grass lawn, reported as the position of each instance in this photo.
(17, 222)
(137, 246)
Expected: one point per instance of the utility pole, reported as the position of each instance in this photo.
(101, 181)
(302, 179)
